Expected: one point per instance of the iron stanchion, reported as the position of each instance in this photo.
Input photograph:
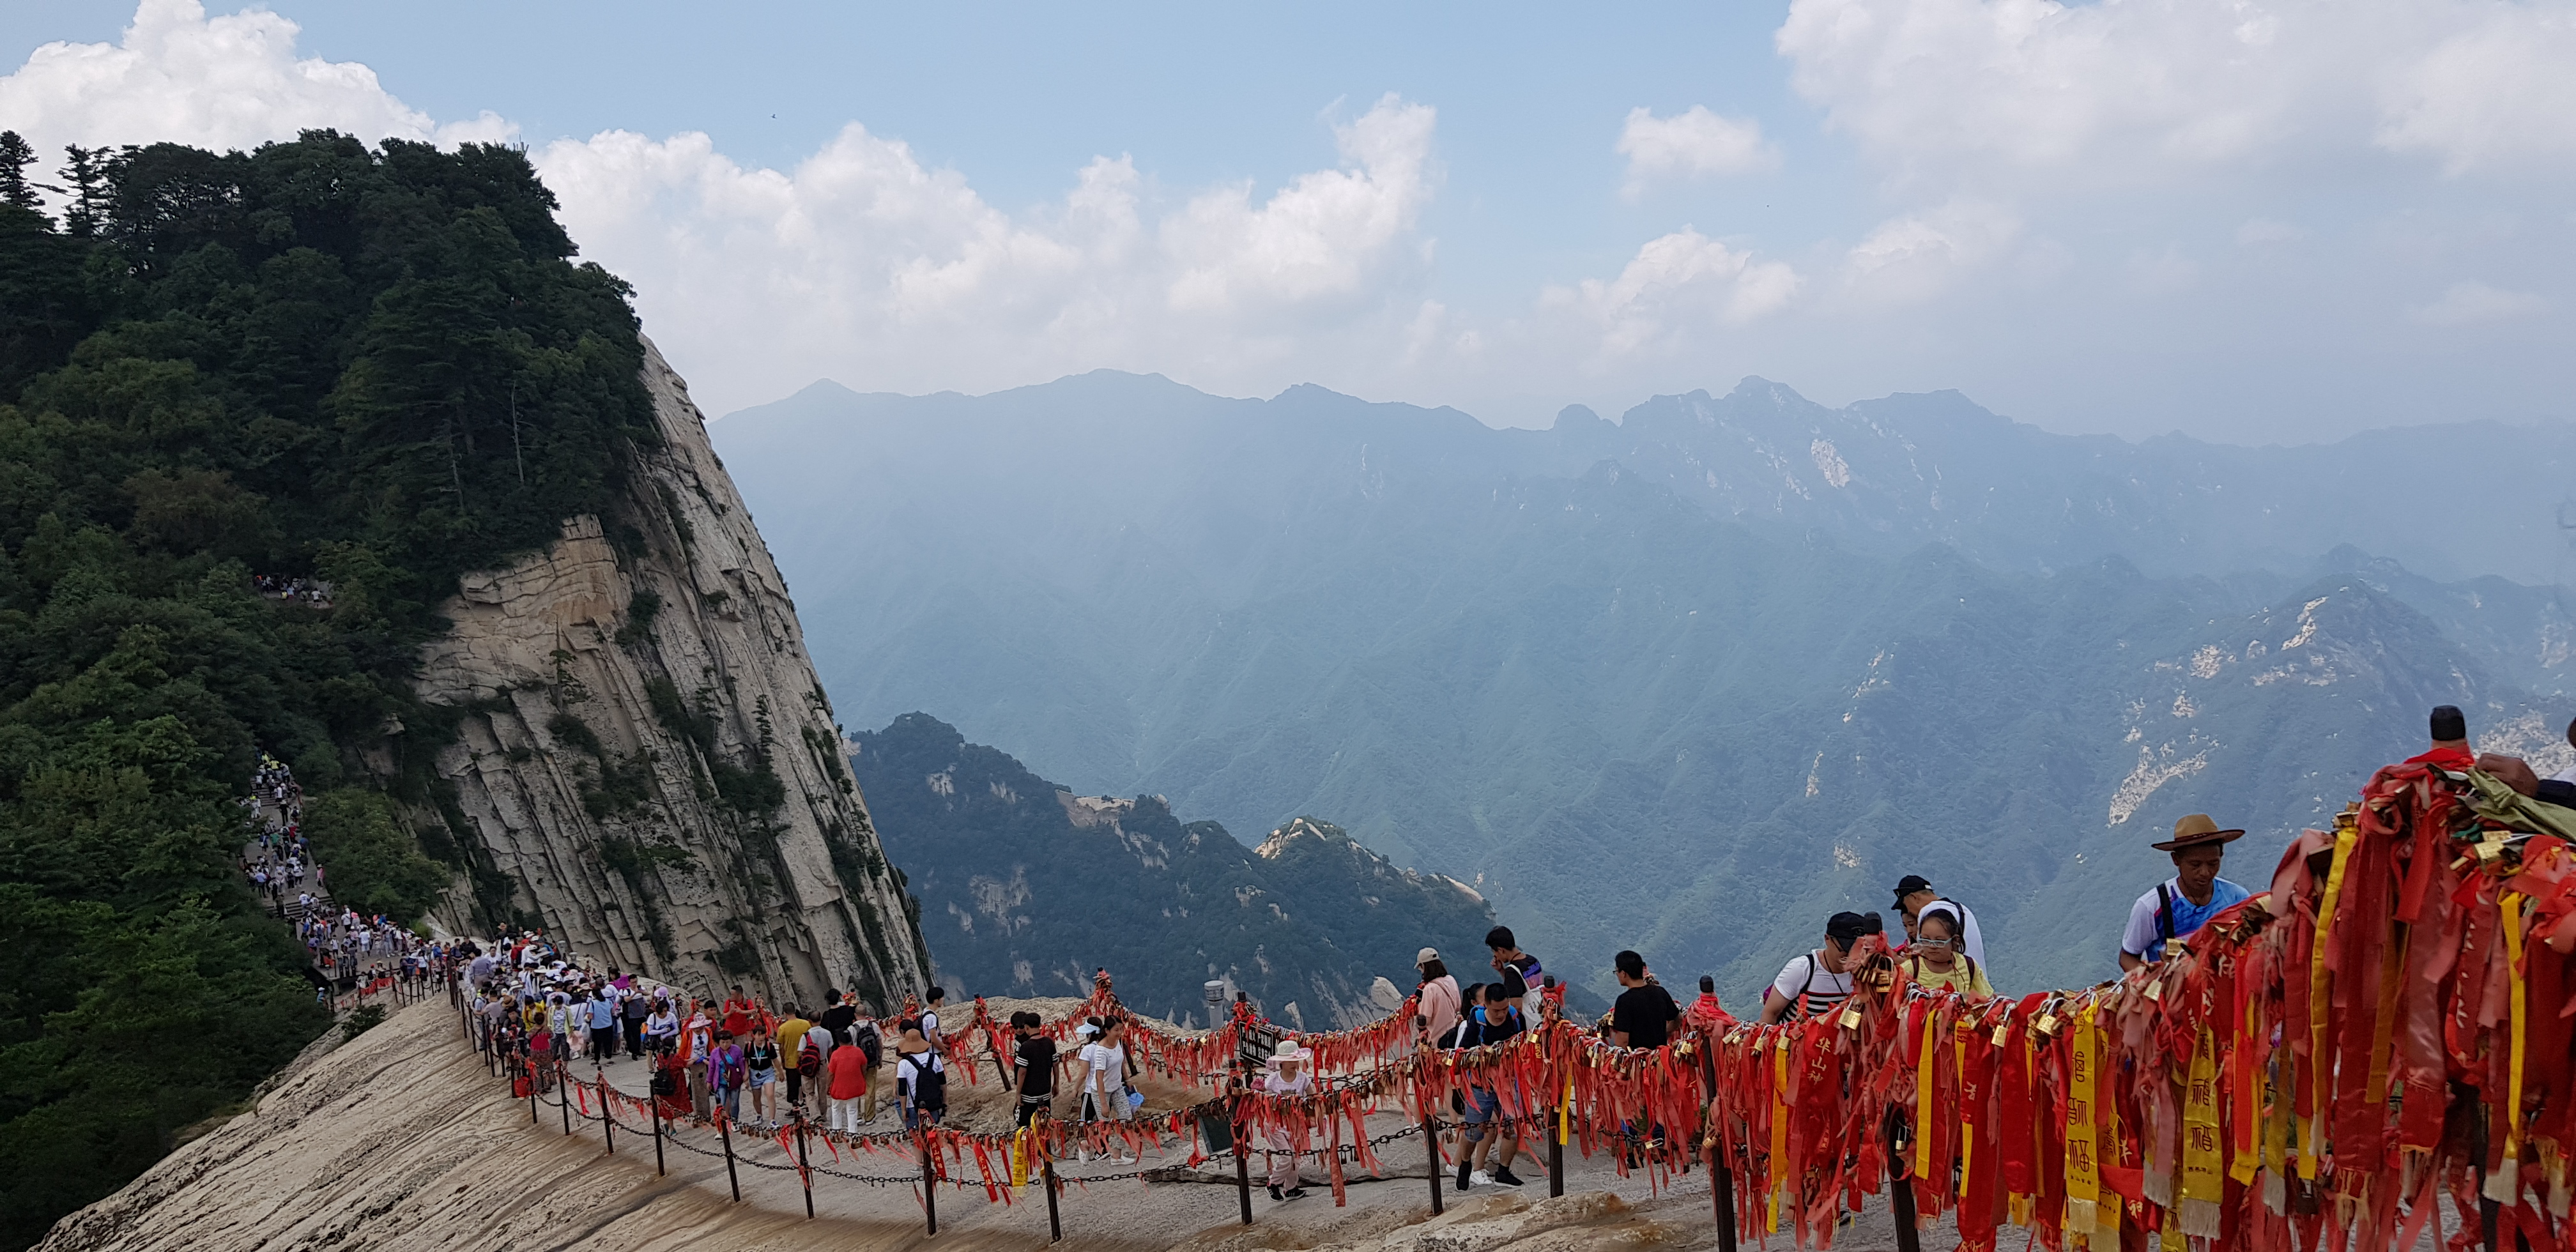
(1046, 1173)
(725, 1128)
(1721, 1178)
(532, 1091)
(563, 1096)
(607, 1115)
(1242, 1151)
(802, 1173)
(654, 1103)
(1901, 1186)
(929, 1184)
(1431, 1149)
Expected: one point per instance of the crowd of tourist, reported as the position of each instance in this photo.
(343, 945)
(312, 591)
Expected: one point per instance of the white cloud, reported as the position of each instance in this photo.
(864, 264)
(1918, 256)
(1317, 238)
(2472, 303)
(1677, 284)
(1691, 144)
(222, 82)
(2492, 95)
(2125, 92)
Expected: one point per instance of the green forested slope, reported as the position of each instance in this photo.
(377, 367)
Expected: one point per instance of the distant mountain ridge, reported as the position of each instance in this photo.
(1554, 666)
(1026, 888)
(1936, 468)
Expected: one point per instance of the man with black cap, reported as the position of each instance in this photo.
(1813, 983)
(2180, 904)
(1915, 896)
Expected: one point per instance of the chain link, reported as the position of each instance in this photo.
(767, 1131)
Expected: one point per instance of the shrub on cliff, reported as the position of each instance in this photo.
(374, 865)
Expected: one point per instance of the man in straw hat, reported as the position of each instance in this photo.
(2180, 904)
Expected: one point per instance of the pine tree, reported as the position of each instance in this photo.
(87, 171)
(15, 157)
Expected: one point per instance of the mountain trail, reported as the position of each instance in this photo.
(402, 1139)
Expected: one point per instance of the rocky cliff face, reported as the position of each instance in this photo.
(646, 764)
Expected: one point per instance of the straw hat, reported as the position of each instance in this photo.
(2195, 830)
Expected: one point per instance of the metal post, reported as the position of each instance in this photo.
(1431, 1149)
(1242, 1151)
(2487, 1208)
(724, 1128)
(1721, 1177)
(1901, 1186)
(1046, 1173)
(654, 1103)
(532, 1091)
(563, 1096)
(929, 1183)
(803, 1173)
(607, 1114)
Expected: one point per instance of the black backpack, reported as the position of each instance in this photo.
(870, 1043)
(929, 1086)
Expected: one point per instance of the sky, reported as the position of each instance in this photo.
(2248, 222)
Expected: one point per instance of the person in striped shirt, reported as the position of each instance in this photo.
(1813, 983)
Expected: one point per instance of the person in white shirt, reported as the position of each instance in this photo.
(1104, 1077)
(1286, 1075)
(1915, 896)
(930, 1019)
(1813, 983)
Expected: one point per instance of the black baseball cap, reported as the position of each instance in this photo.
(1910, 884)
(1843, 928)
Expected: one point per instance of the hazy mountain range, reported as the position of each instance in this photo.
(1688, 682)
(1026, 888)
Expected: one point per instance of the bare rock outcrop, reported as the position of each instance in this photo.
(646, 764)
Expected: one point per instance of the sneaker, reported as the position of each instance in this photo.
(1274, 1192)
(1464, 1180)
(1296, 1193)
(1480, 1179)
(1503, 1174)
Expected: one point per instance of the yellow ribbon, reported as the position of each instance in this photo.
(1779, 1127)
(2321, 1003)
(2511, 905)
(1967, 1111)
(1564, 1114)
(1923, 1096)
(2202, 1191)
(2083, 1169)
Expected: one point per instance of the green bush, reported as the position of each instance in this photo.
(371, 863)
(360, 1020)
(377, 366)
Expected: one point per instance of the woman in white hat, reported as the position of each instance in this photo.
(1288, 1075)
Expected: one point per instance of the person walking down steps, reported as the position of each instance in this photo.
(1286, 1075)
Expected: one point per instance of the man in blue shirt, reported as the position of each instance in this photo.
(2181, 904)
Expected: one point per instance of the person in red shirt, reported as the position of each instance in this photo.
(850, 1074)
(738, 1010)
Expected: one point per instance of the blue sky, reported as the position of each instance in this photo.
(2248, 222)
